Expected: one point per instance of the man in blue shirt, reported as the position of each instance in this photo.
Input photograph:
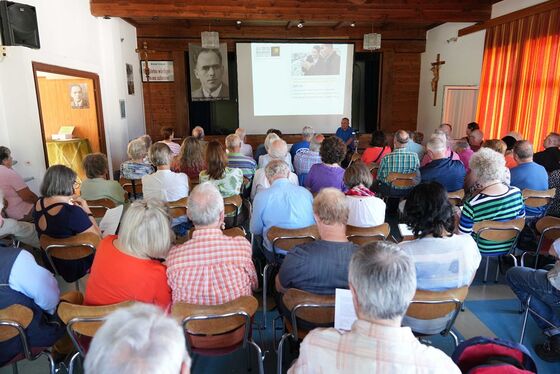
(444, 170)
(306, 135)
(528, 174)
(346, 133)
(283, 204)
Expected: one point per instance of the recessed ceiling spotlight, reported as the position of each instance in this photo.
(300, 24)
(238, 22)
(353, 24)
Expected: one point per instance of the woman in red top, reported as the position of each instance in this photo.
(378, 149)
(127, 267)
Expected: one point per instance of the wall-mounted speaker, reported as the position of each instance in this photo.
(18, 25)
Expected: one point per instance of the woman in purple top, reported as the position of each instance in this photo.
(328, 173)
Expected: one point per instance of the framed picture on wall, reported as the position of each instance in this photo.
(129, 79)
(78, 96)
(208, 73)
(160, 71)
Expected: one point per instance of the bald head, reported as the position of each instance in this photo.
(206, 206)
(401, 139)
(278, 149)
(523, 152)
(198, 132)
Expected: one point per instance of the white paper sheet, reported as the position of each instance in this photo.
(404, 230)
(344, 312)
(110, 221)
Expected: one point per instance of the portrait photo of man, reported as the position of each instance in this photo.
(78, 96)
(208, 73)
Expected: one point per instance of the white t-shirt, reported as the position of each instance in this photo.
(365, 211)
(174, 147)
(261, 183)
(165, 185)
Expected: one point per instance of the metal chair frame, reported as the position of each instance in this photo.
(237, 208)
(98, 204)
(81, 352)
(448, 328)
(246, 338)
(527, 310)
(539, 245)
(133, 184)
(51, 262)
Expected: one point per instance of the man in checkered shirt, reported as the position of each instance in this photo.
(211, 268)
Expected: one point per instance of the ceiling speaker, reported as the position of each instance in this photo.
(18, 25)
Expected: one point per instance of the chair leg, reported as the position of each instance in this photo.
(455, 338)
(264, 291)
(486, 270)
(52, 365)
(260, 357)
(280, 353)
(77, 284)
(71, 369)
(524, 323)
(15, 368)
(497, 269)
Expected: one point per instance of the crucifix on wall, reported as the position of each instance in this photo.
(435, 79)
(144, 52)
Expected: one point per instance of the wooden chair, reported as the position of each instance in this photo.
(538, 199)
(431, 305)
(402, 180)
(373, 167)
(314, 309)
(178, 208)
(506, 232)
(13, 322)
(212, 330)
(82, 322)
(232, 208)
(100, 206)
(456, 197)
(548, 229)
(73, 248)
(284, 239)
(363, 235)
(193, 182)
(233, 231)
(132, 186)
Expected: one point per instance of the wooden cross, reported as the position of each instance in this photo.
(435, 79)
(144, 52)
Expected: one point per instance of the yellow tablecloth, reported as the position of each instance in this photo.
(69, 153)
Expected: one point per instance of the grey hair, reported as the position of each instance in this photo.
(488, 165)
(401, 137)
(159, 154)
(307, 132)
(232, 141)
(205, 204)
(523, 149)
(276, 167)
(435, 144)
(269, 139)
(145, 229)
(384, 280)
(241, 133)
(58, 181)
(198, 132)
(440, 134)
(331, 206)
(139, 339)
(315, 143)
(461, 145)
(136, 149)
(278, 149)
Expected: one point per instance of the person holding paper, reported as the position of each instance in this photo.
(127, 267)
(19, 197)
(382, 280)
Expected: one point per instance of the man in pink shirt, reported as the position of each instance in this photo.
(19, 197)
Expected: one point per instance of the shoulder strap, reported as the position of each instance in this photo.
(379, 155)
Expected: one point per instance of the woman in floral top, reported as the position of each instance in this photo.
(227, 180)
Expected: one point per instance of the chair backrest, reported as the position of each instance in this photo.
(232, 204)
(497, 231)
(178, 208)
(537, 199)
(456, 197)
(82, 320)
(232, 231)
(363, 235)
(314, 309)
(549, 226)
(216, 327)
(72, 248)
(100, 206)
(193, 182)
(13, 321)
(132, 186)
(402, 180)
(286, 239)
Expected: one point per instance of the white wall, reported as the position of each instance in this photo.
(70, 37)
(463, 62)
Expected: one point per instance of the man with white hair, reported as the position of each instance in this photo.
(550, 157)
(306, 135)
(284, 205)
(438, 133)
(277, 150)
(306, 158)
(382, 280)
(211, 268)
(444, 170)
(238, 160)
(245, 149)
(140, 339)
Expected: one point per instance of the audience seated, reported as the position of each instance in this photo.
(495, 200)
(442, 260)
(20, 231)
(164, 184)
(168, 134)
(471, 185)
(28, 284)
(328, 173)
(278, 151)
(147, 139)
(463, 149)
(211, 268)
(59, 213)
(412, 146)
(528, 174)
(306, 135)
(471, 126)
(261, 149)
(126, 267)
(321, 266)
(510, 143)
(190, 159)
(136, 167)
(377, 150)
(198, 133)
(96, 186)
(139, 339)
(346, 134)
(19, 197)
(365, 210)
(308, 157)
(544, 289)
(398, 161)
(443, 169)
(271, 154)
(383, 282)
(245, 148)
(476, 137)
(227, 180)
(284, 205)
(439, 133)
(550, 157)
(237, 160)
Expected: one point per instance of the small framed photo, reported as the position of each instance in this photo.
(78, 96)
(160, 71)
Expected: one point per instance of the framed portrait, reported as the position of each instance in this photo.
(160, 71)
(208, 73)
(78, 95)
(129, 79)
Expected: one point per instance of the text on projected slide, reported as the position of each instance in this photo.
(298, 79)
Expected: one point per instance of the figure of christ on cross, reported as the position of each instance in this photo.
(435, 79)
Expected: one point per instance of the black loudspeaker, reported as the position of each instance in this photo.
(19, 25)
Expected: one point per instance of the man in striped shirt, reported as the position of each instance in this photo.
(237, 160)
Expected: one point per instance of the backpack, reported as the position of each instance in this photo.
(480, 355)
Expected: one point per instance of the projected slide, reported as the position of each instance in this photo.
(298, 79)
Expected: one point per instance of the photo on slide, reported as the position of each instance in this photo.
(320, 59)
(208, 73)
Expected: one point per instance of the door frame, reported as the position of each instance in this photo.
(39, 66)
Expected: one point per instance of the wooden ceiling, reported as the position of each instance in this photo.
(279, 18)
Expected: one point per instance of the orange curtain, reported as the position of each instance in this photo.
(520, 80)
